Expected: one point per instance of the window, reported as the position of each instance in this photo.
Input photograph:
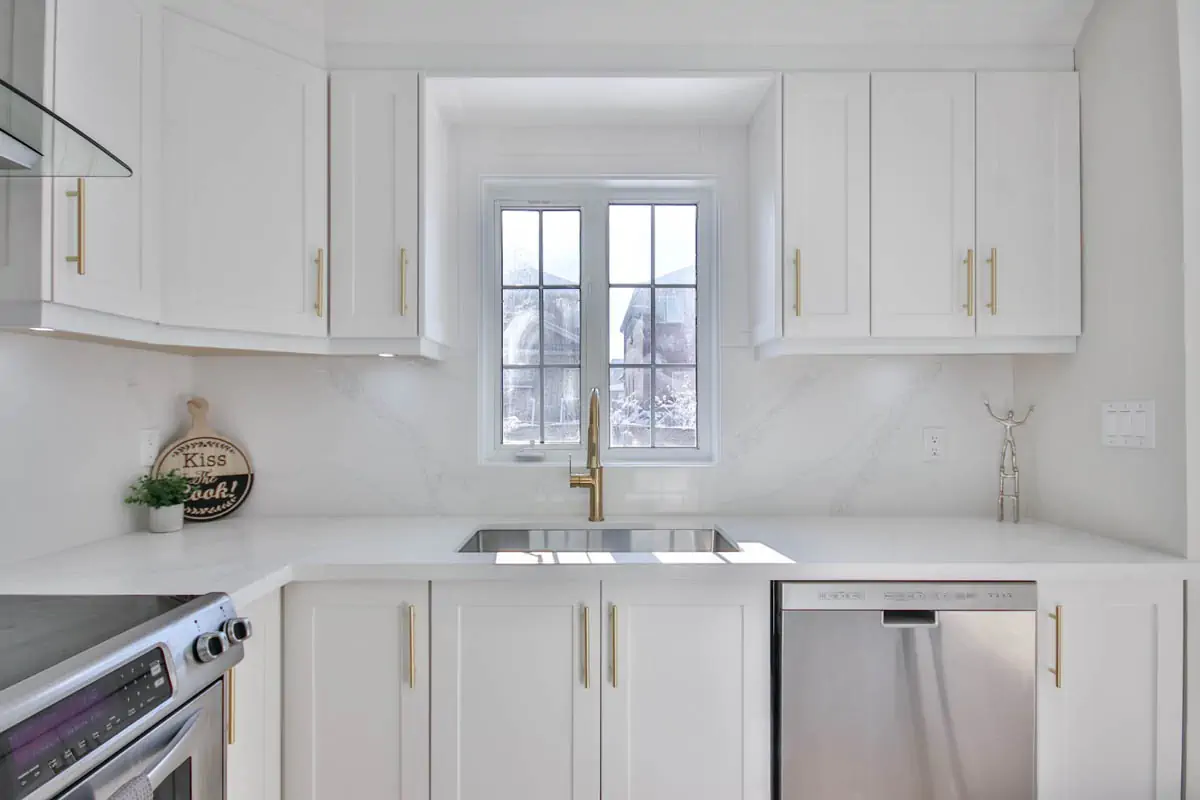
(598, 286)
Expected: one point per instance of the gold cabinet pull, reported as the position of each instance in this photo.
(232, 691)
(587, 648)
(612, 644)
(970, 265)
(412, 646)
(796, 263)
(993, 263)
(1056, 670)
(403, 281)
(320, 304)
(80, 195)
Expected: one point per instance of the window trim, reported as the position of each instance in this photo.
(593, 196)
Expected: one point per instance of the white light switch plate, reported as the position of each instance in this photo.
(149, 443)
(1128, 424)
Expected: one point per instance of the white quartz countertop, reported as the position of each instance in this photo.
(249, 557)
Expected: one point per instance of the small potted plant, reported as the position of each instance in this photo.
(164, 495)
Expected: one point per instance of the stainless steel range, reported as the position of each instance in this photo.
(115, 698)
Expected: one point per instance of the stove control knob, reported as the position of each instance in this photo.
(210, 646)
(237, 629)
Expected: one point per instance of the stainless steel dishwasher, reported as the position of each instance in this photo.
(913, 691)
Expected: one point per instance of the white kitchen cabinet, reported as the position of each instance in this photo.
(1110, 724)
(388, 161)
(687, 672)
(357, 682)
(516, 701)
(254, 722)
(109, 260)
(826, 205)
(1028, 202)
(244, 184)
(922, 204)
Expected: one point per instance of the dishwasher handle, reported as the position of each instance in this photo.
(908, 618)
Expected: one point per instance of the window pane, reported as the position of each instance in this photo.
(560, 248)
(562, 326)
(629, 244)
(561, 408)
(519, 247)
(522, 328)
(675, 244)
(629, 407)
(675, 326)
(522, 423)
(675, 407)
(629, 326)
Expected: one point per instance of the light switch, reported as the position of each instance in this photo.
(1127, 424)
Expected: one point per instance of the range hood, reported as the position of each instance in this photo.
(35, 142)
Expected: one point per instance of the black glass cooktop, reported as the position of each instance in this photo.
(38, 632)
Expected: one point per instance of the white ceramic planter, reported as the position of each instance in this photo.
(166, 520)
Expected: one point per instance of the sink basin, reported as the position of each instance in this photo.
(598, 540)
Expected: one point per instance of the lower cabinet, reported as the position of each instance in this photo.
(253, 715)
(357, 678)
(1110, 691)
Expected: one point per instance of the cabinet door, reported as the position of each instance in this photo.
(244, 156)
(356, 684)
(516, 702)
(106, 83)
(1028, 197)
(374, 140)
(826, 205)
(254, 732)
(1113, 729)
(686, 691)
(922, 204)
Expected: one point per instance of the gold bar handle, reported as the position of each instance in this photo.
(80, 195)
(796, 262)
(1056, 670)
(232, 692)
(969, 262)
(993, 262)
(412, 646)
(587, 648)
(403, 281)
(612, 649)
(320, 304)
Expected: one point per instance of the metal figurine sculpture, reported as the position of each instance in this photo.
(1008, 462)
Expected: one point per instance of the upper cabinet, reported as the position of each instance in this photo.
(945, 203)
(922, 204)
(388, 168)
(244, 185)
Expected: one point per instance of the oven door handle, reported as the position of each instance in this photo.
(177, 752)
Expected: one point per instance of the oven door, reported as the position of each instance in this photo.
(183, 757)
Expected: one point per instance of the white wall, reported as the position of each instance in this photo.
(70, 413)
(815, 435)
(1133, 339)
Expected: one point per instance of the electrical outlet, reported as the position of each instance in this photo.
(149, 443)
(935, 444)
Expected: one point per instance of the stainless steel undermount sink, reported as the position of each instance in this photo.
(599, 540)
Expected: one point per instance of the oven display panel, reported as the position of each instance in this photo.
(54, 739)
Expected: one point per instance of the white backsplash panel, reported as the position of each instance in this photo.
(840, 436)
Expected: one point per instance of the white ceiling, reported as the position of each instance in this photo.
(598, 100)
(711, 22)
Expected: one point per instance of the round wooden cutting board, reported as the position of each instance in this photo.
(219, 469)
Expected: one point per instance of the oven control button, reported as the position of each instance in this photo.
(210, 646)
(68, 757)
(237, 629)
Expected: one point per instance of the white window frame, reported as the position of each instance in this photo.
(593, 196)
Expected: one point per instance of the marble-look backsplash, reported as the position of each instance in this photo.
(805, 435)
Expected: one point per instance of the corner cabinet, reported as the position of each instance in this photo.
(917, 213)
(1110, 714)
(357, 682)
(389, 174)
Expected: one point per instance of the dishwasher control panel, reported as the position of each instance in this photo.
(900, 596)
